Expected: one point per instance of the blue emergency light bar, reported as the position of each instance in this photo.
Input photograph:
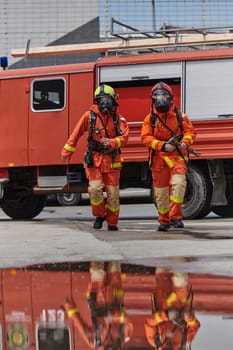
(4, 62)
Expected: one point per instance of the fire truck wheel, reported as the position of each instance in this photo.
(225, 211)
(26, 207)
(198, 193)
(69, 199)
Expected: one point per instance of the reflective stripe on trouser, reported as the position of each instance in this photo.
(178, 187)
(109, 181)
(112, 205)
(114, 292)
(169, 199)
(163, 205)
(97, 280)
(97, 271)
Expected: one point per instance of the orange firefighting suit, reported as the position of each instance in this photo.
(105, 173)
(172, 294)
(168, 168)
(112, 324)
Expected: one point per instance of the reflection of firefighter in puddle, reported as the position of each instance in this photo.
(173, 324)
(111, 327)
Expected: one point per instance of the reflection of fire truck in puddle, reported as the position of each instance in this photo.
(32, 134)
(31, 315)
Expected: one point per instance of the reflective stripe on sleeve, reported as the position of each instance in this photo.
(170, 300)
(191, 322)
(188, 137)
(73, 311)
(159, 317)
(118, 141)
(69, 148)
(154, 143)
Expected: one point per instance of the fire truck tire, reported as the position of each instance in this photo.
(198, 194)
(225, 211)
(69, 199)
(26, 208)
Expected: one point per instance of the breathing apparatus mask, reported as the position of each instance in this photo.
(161, 100)
(105, 98)
(105, 104)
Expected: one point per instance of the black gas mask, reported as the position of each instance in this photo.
(161, 100)
(106, 104)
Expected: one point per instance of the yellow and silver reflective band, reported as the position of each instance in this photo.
(187, 137)
(184, 301)
(113, 209)
(169, 162)
(183, 158)
(170, 300)
(96, 203)
(73, 311)
(118, 292)
(154, 143)
(163, 211)
(69, 148)
(191, 322)
(118, 141)
(116, 165)
(122, 317)
(157, 317)
(176, 199)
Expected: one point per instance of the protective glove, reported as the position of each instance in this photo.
(169, 148)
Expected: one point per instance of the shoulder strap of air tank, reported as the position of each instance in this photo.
(179, 118)
(153, 118)
(92, 124)
(116, 124)
(92, 120)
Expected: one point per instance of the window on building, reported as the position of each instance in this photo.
(48, 94)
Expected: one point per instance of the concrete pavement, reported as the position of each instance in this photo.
(66, 234)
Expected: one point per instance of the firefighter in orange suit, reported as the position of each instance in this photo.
(111, 327)
(173, 324)
(168, 134)
(107, 133)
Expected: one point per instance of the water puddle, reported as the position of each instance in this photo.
(115, 305)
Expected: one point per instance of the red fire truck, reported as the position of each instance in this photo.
(33, 131)
(32, 316)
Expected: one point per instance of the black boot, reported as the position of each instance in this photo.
(163, 227)
(112, 228)
(98, 223)
(177, 223)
